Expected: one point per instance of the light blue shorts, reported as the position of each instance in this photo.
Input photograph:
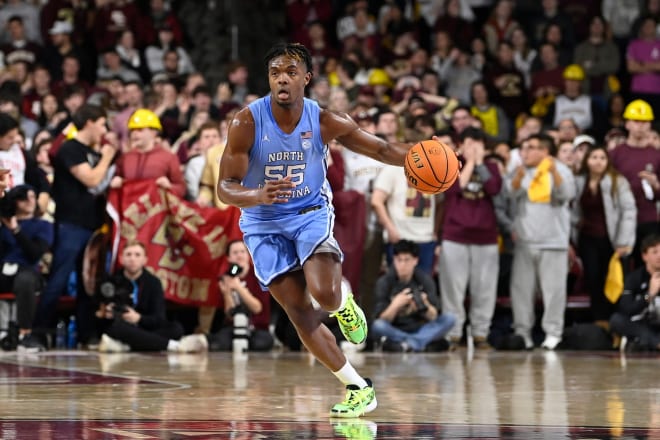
(283, 245)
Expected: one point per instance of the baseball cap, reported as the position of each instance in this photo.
(583, 139)
(61, 27)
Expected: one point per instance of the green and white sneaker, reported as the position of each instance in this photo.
(358, 401)
(352, 321)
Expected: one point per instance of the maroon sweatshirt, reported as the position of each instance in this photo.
(629, 161)
(470, 212)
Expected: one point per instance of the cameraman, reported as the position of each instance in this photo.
(406, 307)
(24, 240)
(132, 310)
(242, 293)
(638, 316)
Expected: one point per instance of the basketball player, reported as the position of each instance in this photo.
(274, 168)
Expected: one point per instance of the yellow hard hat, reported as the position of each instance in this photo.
(638, 110)
(378, 77)
(574, 72)
(143, 118)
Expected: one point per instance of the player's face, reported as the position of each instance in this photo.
(287, 78)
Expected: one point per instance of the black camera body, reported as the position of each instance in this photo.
(8, 205)
(118, 290)
(416, 293)
(234, 270)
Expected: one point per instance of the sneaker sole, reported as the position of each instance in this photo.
(367, 409)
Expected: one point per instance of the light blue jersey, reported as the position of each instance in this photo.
(276, 155)
(282, 236)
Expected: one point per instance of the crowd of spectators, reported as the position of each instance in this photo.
(549, 105)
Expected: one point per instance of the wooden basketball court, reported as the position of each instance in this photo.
(283, 395)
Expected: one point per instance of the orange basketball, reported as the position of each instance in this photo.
(431, 167)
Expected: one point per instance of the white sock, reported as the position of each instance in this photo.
(348, 376)
(344, 297)
(172, 345)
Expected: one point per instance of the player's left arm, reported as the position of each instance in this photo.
(342, 127)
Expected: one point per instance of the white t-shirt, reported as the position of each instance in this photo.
(411, 211)
(359, 173)
(14, 160)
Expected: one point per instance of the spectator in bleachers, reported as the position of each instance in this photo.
(552, 14)
(39, 154)
(110, 66)
(62, 46)
(458, 77)
(639, 162)
(24, 239)
(405, 214)
(495, 122)
(553, 35)
(81, 165)
(574, 104)
(19, 48)
(39, 87)
(453, 21)
(208, 135)
(147, 159)
(547, 80)
(138, 322)
(155, 52)
(134, 99)
(643, 62)
(524, 55)
(51, 113)
(621, 14)
(112, 17)
(637, 318)
(406, 314)
(71, 77)
(500, 25)
(159, 15)
(541, 189)
(567, 130)
(241, 293)
(131, 56)
(604, 217)
(301, 14)
(566, 155)
(469, 253)
(211, 172)
(10, 103)
(28, 13)
(600, 58)
(72, 11)
(614, 112)
(650, 8)
(507, 82)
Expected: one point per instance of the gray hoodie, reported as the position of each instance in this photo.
(543, 225)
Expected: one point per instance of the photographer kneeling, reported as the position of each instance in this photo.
(244, 300)
(406, 307)
(132, 310)
(24, 240)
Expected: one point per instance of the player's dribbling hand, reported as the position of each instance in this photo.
(276, 191)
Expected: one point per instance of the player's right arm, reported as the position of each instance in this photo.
(234, 167)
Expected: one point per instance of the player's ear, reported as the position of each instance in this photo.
(308, 77)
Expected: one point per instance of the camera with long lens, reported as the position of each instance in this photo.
(416, 293)
(118, 290)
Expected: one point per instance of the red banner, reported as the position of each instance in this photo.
(185, 243)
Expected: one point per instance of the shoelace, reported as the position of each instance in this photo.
(346, 315)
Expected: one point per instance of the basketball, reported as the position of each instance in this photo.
(431, 167)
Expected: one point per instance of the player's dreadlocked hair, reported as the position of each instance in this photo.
(294, 50)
